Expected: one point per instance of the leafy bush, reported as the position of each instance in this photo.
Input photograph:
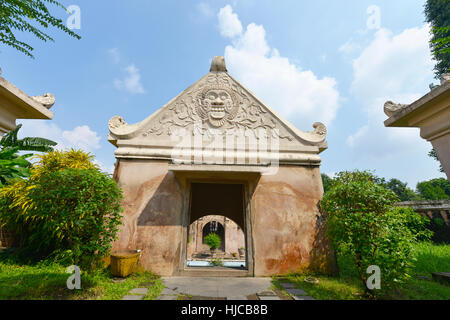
(213, 240)
(363, 224)
(416, 223)
(216, 262)
(12, 166)
(67, 211)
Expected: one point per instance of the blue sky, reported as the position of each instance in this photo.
(331, 61)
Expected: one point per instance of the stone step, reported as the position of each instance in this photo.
(441, 277)
(213, 272)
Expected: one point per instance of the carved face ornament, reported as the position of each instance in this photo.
(217, 105)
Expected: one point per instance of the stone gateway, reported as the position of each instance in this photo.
(216, 149)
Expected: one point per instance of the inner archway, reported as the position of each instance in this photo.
(217, 208)
(217, 228)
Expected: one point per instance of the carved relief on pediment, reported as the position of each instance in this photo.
(217, 103)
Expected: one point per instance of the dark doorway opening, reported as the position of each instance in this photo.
(217, 208)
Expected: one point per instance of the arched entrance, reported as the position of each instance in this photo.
(219, 208)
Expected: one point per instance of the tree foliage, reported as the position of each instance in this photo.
(434, 189)
(14, 166)
(20, 15)
(364, 224)
(67, 211)
(398, 187)
(433, 154)
(437, 13)
(401, 190)
(326, 182)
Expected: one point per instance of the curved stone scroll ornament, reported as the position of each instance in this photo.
(317, 136)
(391, 108)
(117, 125)
(47, 100)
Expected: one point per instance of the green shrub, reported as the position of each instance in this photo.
(416, 223)
(67, 211)
(363, 224)
(213, 240)
(216, 262)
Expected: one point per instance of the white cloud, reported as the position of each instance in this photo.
(81, 137)
(391, 67)
(349, 47)
(229, 23)
(296, 94)
(114, 55)
(205, 9)
(132, 82)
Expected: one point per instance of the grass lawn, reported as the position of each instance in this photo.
(429, 258)
(43, 281)
(48, 282)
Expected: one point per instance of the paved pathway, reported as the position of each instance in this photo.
(233, 288)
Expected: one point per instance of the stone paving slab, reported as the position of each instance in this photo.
(164, 297)
(237, 298)
(296, 292)
(269, 298)
(215, 287)
(303, 298)
(133, 297)
(139, 291)
(168, 291)
(266, 293)
(288, 285)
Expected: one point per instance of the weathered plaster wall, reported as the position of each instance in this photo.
(287, 226)
(442, 147)
(153, 207)
(288, 230)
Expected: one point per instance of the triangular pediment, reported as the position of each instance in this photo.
(217, 104)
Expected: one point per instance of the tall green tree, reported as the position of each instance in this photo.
(401, 190)
(437, 13)
(326, 182)
(28, 16)
(434, 189)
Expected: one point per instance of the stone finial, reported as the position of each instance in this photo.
(218, 64)
(47, 100)
(391, 108)
(445, 77)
